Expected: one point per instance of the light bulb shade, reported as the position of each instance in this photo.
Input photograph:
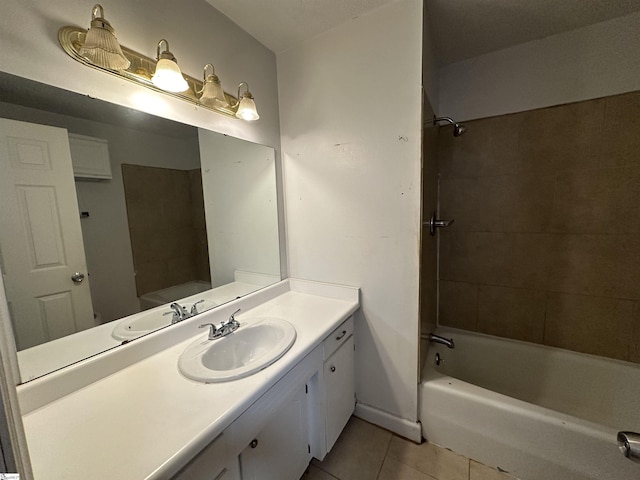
(247, 108)
(169, 77)
(213, 95)
(101, 46)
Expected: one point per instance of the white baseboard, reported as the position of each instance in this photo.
(400, 426)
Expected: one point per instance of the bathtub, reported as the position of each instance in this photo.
(171, 294)
(538, 412)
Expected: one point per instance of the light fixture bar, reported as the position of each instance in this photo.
(140, 71)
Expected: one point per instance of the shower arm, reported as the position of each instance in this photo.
(443, 119)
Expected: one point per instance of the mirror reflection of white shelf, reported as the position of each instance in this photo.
(90, 157)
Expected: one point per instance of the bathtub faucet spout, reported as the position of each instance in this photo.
(448, 342)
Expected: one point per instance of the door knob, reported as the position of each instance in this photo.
(77, 277)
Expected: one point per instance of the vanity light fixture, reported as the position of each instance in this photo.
(168, 75)
(101, 46)
(212, 93)
(246, 105)
(160, 74)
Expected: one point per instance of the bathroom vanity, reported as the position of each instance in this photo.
(130, 413)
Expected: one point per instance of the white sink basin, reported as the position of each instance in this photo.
(146, 322)
(254, 346)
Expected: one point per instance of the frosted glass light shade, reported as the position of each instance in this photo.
(101, 46)
(213, 95)
(247, 108)
(169, 77)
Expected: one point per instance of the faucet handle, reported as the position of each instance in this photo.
(175, 318)
(194, 307)
(212, 330)
(232, 318)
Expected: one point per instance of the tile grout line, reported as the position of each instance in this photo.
(384, 457)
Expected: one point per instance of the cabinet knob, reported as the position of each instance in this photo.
(333, 368)
(254, 443)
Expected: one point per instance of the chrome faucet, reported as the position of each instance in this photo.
(179, 311)
(225, 328)
(448, 342)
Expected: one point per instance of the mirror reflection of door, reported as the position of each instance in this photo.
(41, 229)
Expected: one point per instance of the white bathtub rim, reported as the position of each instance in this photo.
(519, 407)
(469, 420)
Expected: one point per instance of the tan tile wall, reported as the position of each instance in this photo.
(429, 247)
(546, 243)
(164, 238)
(203, 271)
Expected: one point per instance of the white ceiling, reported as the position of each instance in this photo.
(460, 28)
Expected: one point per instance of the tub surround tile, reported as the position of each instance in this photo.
(545, 201)
(603, 200)
(598, 265)
(359, 452)
(459, 305)
(429, 459)
(561, 138)
(428, 280)
(509, 203)
(475, 257)
(498, 306)
(576, 323)
(634, 350)
(163, 215)
(489, 147)
(622, 116)
(531, 262)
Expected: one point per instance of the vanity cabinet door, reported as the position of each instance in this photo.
(212, 463)
(281, 450)
(339, 389)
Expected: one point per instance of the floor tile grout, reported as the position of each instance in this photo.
(385, 453)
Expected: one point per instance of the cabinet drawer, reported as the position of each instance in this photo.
(338, 337)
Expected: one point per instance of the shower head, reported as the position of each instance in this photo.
(458, 129)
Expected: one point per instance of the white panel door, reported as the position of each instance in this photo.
(40, 237)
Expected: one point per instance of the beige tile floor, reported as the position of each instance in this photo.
(367, 452)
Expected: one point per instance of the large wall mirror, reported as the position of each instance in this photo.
(109, 215)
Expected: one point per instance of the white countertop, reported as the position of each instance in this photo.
(141, 422)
